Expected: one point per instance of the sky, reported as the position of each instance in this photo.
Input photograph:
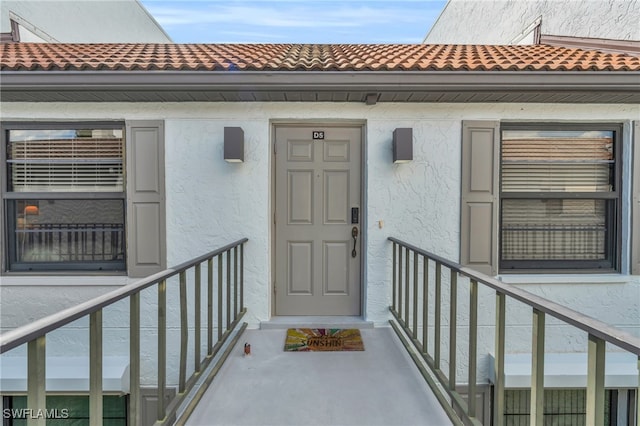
(296, 21)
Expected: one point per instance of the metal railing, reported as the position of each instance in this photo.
(410, 307)
(229, 310)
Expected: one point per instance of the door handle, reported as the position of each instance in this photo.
(354, 234)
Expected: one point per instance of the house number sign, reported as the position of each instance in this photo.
(318, 134)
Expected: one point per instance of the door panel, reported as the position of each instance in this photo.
(300, 151)
(300, 188)
(336, 267)
(336, 197)
(301, 256)
(317, 185)
(336, 150)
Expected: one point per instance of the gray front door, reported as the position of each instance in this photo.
(317, 189)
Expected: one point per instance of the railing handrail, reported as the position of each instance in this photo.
(584, 322)
(21, 335)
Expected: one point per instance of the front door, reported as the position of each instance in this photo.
(317, 221)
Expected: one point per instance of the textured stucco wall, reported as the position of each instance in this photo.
(211, 203)
(82, 21)
(501, 21)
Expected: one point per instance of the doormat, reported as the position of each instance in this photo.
(323, 340)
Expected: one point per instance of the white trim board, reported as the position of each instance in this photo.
(568, 370)
(65, 374)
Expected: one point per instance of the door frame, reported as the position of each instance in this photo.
(310, 123)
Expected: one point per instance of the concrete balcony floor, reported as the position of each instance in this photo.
(379, 386)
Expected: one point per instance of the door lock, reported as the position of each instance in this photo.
(355, 215)
(354, 234)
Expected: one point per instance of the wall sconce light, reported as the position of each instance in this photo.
(233, 144)
(402, 145)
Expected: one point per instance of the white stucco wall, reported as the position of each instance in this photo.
(81, 21)
(211, 203)
(503, 21)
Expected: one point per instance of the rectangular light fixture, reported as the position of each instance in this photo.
(402, 145)
(233, 144)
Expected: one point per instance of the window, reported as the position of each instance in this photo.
(559, 197)
(543, 197)
(561, 406)
(64, 198)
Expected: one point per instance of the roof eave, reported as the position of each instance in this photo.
(14, 83)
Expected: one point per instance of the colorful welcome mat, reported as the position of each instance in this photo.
(323, 339)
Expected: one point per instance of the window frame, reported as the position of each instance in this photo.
(9, 264)
(613, 209)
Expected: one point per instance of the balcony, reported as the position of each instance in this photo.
(185, 334)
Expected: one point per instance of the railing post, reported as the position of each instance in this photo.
(595, 381)
(406, 286)
(638, 396)
(219, 297)
(473, 346)
(95, 368)
(415, 295)
(242, 277)
(228, 306)
(134, 359)
(394, 283)
(438, 314)
(197, 316)
(537, 369)
(184, 333)
(210, 306)
(36, 379)
(399, 311)
(425, 301)
(162, 347)
(453, 323)
(498, 411)
(235, 283)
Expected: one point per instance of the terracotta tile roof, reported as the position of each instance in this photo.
(305, 57)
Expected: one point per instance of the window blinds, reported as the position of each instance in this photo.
(75, 164)
(557, 164)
